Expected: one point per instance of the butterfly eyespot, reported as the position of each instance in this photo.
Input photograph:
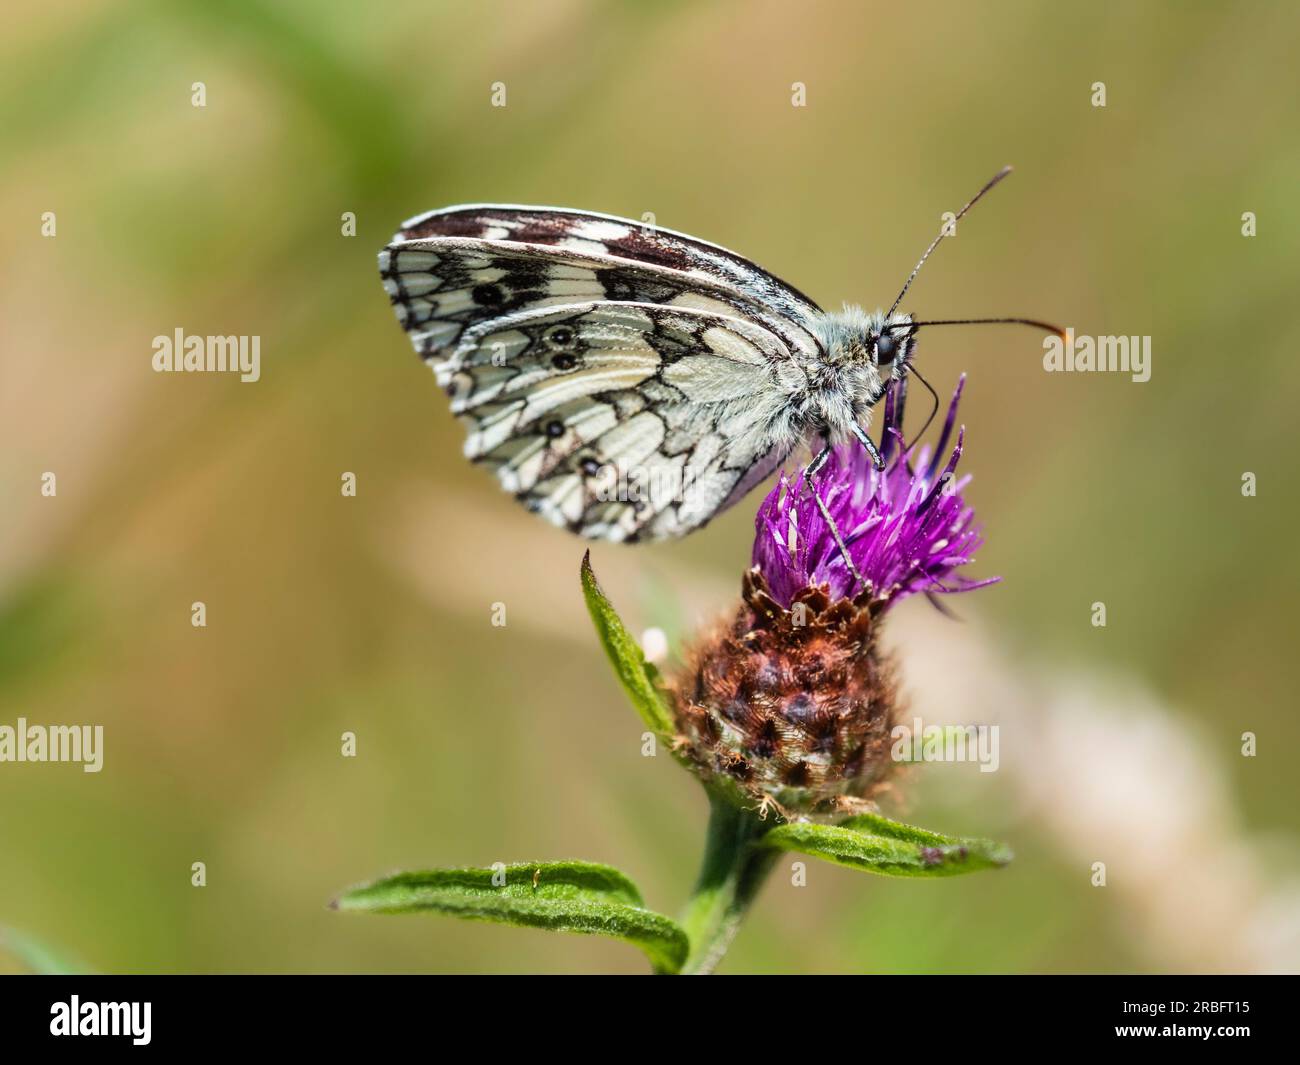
(486, 295)
(590, 467)
(554, 429)
(564, 361)
(559, 336)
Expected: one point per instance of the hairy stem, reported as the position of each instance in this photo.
(730, 878)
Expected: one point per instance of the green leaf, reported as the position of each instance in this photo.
(877, 845)
(38, 957)
(560, 896)
(637, 676)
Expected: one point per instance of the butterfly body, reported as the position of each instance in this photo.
(626, 381)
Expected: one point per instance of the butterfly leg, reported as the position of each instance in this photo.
(814, 468)
(870, 445)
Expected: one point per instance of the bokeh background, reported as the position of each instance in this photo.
(476, 743)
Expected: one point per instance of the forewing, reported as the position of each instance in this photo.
(621, 238)
(623, 420)
(440, 287)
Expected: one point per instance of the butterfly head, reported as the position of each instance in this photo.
(890, 344)
(869, 345)
(864, 354)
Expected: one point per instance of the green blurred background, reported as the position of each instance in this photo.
(478, 744)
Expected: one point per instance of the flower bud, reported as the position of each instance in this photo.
(794, 704)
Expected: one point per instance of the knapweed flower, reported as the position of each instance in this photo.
(794, 700)
(790, 705)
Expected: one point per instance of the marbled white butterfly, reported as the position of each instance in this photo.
(626, 381)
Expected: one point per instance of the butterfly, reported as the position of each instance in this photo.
(629, 382)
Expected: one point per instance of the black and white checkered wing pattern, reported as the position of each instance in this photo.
(655, 253)
(622, 399)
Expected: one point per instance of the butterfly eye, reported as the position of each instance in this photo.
(886, 349)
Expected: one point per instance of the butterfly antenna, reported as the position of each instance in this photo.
(948, 227)
(1033, 323)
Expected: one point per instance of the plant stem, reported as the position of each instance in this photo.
(730, 878)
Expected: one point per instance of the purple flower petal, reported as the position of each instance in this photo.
(907, 528)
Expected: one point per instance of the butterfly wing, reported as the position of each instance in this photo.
(623, 421)
(615, 238)
(442, 286)
(624, 381)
